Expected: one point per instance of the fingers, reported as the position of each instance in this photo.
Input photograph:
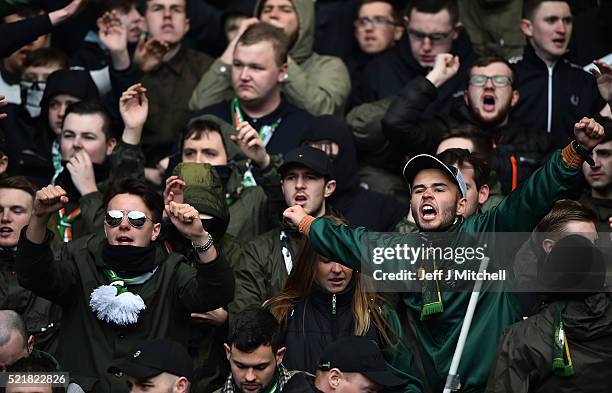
(183, 212)
(247, 135)
(590, 127)
(137, 91)
(51, 195)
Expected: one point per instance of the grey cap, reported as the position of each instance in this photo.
(427, 161)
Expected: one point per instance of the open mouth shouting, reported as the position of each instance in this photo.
(488, 102)
(428, 212)
(300, 199)
(6, 231)
(124, 240)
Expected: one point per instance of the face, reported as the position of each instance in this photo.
(207, 149)
(13, 350)
(340, 382)
(15, 211)
(85, 132)
(14, 62)
(491, 104)
(332, 276)
(599, 177)
(281, 13)
(232, 26)
(125, 234)
(550, 31)
(375, 27)
(475, 196)
(133, 22)
(167, 20)
(586, 229)
(14, 388)
(253, 372)
(57, 110)
(424, 49)
(255, 75)
(435, 200)
(162, 383)
(301, 186)
(39, 74)
(455, 143)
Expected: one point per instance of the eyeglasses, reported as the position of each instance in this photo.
(497, 80)
(376, 21)
(136, 218)
(434, 38)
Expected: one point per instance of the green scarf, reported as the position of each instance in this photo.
(430, 291)
(562, 361)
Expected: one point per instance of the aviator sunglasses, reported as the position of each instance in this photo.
(136, 218)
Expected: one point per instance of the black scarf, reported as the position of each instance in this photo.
(129, 261)
(101, 172)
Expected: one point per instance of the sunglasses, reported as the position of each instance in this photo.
(136, 218)
(497, 80)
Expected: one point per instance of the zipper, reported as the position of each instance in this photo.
(514, 165)
(550, 92)
(333, 304)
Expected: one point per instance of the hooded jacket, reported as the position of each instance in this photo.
(524, 358)
(388, 73)
(554, 98)
(349, 198)
(319, 84)
(516, 151)
(87, 344)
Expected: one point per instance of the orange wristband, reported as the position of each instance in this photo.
(571, 158)
(305, 223)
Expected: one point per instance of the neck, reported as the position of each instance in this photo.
(257, 109)
(544, 57)
(602, 193)
(321, 211)
(171, 53)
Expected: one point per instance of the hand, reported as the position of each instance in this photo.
(187, 220)
(3, 103)
(68, 11)
(215, 317)
(588, 133)
(329, 147)
(48, 200)
(149, 55)
(604, 79)
(112, 32)
(445, 67)
(295, 214)
(174, 190)
(134, 108)
(82, 172)
(250, 143)
(228, 56)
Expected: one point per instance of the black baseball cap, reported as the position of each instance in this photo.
(155, 357)
(311, 158)
(426, 161)
(357, 354)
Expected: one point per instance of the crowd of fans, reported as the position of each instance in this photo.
(187, 189)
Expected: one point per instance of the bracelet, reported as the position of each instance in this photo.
(200, 249)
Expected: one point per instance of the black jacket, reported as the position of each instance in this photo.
(313, 324)
(292, 123)
(301, 383)
(516, 152)
(574, 94)
(387, 73)
(383, 212)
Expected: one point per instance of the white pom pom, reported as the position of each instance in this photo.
(122, 309)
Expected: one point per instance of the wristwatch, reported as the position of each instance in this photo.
(584, 153)
(200, 249)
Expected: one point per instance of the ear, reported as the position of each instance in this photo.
(398, 31)
(282, 72)
(527, 28)
(228, 351)
(3, 164)
(461, 205)
(30, 343)
(330, 187)
(181, 385)
(483, 194)
(547, 245)
(456, 30)
(280, 354)
(466, 97)
(406, 20)
(515, 98)
(333, 378)
(187, 25)
(156, 231)
(110, 146)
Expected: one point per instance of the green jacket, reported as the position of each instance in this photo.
(262, 272)
(524, 358)
(88, 345)
(319, 84)
(520, 211)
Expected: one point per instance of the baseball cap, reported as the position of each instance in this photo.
(310, 157)
(155, 357)
(426, 161)
(357, 354)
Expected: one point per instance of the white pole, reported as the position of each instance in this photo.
(452, 380)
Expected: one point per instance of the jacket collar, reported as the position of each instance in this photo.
(323, 299)
(284, 376)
